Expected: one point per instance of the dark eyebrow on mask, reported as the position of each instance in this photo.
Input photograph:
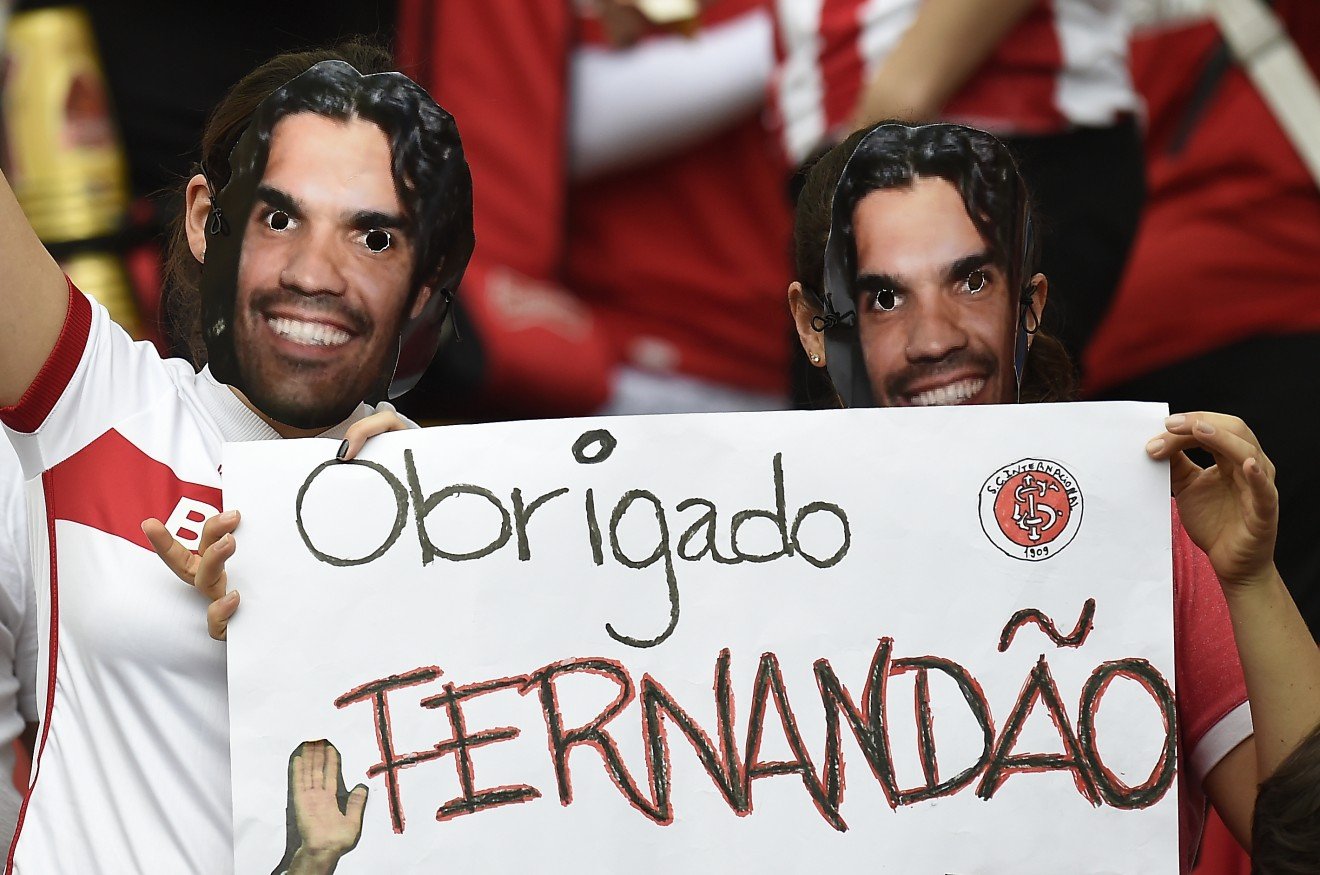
(876, 282)
(279, 200)
(362, 220)
(366, 220)
(869, 283)
(963, 266)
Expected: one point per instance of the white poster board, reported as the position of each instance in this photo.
(919, 641)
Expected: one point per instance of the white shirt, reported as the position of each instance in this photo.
(132, 764)
(18, 640)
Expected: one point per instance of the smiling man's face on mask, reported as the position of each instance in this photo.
(325, 271)
(934, 310)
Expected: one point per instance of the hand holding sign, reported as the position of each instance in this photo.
(1231, 510)
(205, 569)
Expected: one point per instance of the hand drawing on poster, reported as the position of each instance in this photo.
(324, 818)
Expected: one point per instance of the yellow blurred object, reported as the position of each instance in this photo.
(669, 12)
(102, 275)
(63, 155)
(680, 16)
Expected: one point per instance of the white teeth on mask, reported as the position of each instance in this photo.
(954, 393)
(309, 333)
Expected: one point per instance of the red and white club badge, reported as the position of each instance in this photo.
(1031, 509)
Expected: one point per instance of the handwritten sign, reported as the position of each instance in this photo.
(923, 641)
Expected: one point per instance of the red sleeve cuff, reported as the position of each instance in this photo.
(37, 402)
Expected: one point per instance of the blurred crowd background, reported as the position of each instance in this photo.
(634, 175)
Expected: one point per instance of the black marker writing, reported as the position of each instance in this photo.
(701, 536)
(734, 769)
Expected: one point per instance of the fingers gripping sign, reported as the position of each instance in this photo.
(205, 569)
(368, 427)
(1231, 509)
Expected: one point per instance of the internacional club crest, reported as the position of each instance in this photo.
(1031, 509)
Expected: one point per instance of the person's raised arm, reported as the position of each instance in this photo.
(640, 103)
(33, 300)
(1231, 510)
(947, 42)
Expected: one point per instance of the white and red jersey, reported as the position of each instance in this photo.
(132, 766)
(1063, 65)
(18, 639)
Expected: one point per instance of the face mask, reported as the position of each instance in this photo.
(839, 320)
(335, 246)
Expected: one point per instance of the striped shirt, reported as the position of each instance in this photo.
(1063, 65)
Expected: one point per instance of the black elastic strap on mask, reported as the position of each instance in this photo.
(217, 223)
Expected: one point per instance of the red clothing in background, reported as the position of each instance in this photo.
(1060, 66)
(501, 69)
(685, 260)
(679, 265)
(1230, 240)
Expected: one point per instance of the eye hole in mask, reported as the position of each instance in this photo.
(277, 220)
(377, 240)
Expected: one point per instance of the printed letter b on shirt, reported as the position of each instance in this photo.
(185, 522)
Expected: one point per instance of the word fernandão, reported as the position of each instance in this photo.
(865, 713)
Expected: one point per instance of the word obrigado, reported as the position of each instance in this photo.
(699, 539)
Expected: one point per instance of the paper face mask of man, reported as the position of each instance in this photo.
(335, 246)
(928, 292)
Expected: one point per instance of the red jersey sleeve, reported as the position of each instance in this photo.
(37, 402)
(95, 377)
(1214, 715)
(1211, 688)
